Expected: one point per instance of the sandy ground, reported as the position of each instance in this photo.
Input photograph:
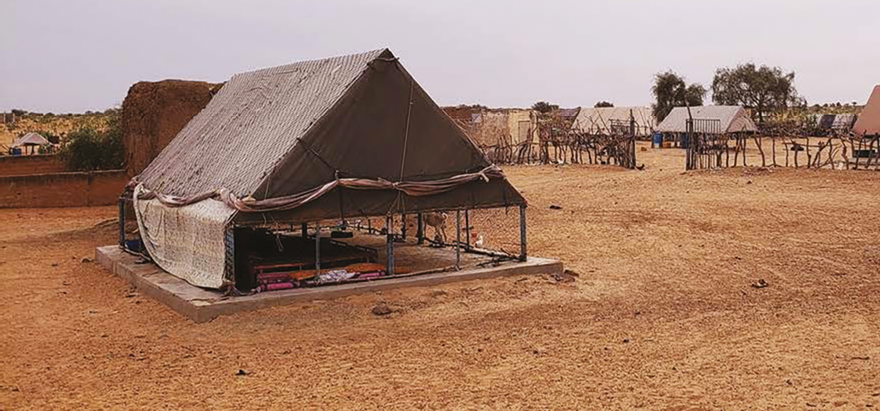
(662, 316)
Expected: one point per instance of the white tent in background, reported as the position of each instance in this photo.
(30, 139)
(600, 120)
(728, 119)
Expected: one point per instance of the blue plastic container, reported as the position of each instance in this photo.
(134, 245)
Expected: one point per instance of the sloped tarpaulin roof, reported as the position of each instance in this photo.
(868, 122)
(844, 121)
(599, 120)
(838, 122)
(288, 130)
(732, 119)
(30, 139)
(568, 112)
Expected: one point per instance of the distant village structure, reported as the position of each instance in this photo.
(708, 119)
(704, 120)
(608, 121)
(493, 127)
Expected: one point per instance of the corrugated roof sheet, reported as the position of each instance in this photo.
(868, 122)
(252, 122)
(732, 119)
(30, 138)
(598, 120)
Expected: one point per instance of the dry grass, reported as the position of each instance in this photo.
(663, 315)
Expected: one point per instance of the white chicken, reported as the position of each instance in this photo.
(479, 242)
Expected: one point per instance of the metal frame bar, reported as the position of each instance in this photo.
(318, 246)
(522, 233)
(389, 235)
(458, 239)
(420, 229)
(467, 231)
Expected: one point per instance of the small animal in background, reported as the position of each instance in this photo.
(436, 220)
(479, 242)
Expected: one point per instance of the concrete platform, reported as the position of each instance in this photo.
(201, 305)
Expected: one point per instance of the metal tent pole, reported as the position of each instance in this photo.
(522, 233)
(458, 239)
(467, 231)
(318, 246)
(390, 247)
(420, 229)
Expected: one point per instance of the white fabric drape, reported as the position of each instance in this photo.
(188, 241)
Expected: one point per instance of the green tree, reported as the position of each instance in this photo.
(765, 89)
(90, 149)
(670, 90)
(544, 107)
(603, 104)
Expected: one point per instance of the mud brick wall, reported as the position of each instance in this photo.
(68, 189)
(30, 165)
(154, 112)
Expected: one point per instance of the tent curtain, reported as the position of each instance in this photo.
(188, 241)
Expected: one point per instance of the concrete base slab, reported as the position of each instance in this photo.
(201, 305)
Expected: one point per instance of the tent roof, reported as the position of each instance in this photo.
(732, 118)
(30, 139)
(599, 119)
(284, 130)
(253, 121)
(868, 122)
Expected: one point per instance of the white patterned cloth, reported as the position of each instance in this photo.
(189, 241)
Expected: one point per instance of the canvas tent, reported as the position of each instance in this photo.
(349, 136)
(868, 122)
(600, 120)
(724, 120)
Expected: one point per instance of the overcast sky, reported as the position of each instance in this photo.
(72, 56)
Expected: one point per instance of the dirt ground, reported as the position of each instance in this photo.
(662, 316)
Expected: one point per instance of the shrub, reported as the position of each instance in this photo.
(90, 149)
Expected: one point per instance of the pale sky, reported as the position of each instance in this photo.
(73, 56)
